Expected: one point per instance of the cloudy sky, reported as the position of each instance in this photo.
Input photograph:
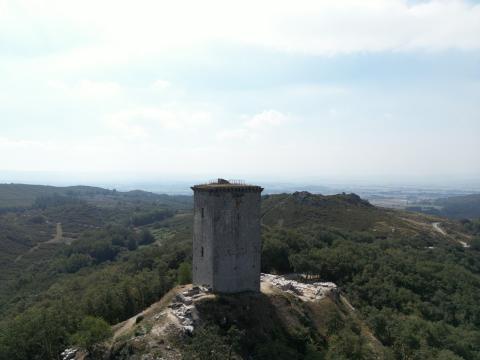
(273, 89)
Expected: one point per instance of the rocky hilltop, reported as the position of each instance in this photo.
(174, 327)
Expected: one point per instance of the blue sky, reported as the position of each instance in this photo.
(273, 89)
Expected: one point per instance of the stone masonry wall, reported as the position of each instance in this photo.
(228, 231)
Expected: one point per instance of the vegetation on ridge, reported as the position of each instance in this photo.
(418, 293)
(416, 289)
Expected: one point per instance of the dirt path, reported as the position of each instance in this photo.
(436, 227)
(345, 302)
(127, 325)
(57, 239)
(424, 225)
(373, 342)
(58, 235)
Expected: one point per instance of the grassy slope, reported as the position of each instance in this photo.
(348, 212)
(24, 233)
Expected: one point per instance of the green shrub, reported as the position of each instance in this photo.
(146, 237)
(184, 273)
(92, 330)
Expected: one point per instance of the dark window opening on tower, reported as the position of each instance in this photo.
(203, 214)
(202, 251)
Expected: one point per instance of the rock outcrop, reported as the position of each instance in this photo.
(183, 307)
(69, 354)
(158, 331)
(304, 291)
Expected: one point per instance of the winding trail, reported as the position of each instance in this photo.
(436, 227)
(57, 239)
(125, 326)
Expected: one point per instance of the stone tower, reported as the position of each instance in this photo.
(226, 236)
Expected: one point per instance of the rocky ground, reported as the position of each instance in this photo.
(155, 333)
(304, 291)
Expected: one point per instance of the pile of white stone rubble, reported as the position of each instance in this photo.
(184, 309)
(305, 291)
(69, 354)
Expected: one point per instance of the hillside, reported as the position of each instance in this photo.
(412, 279)
(14, 196)
(29, 247)
(277, 323)
(350, 213)
(460, 207)
(30, 212)
(454, 207)
(24, 195)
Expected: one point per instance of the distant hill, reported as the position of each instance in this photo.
(37, 208)
(23, 195)
(455, 207)
(303, 207)
(349, 212)
(460, 207)
(29, 215)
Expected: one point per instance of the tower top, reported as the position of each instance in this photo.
(227, 185)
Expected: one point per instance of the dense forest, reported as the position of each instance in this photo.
(415, 289)
(107, 269)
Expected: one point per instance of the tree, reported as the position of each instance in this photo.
(76, 262)
(206, 344)
(92, 330)
(475, 244)
(132, 244)
(184, 275)
(348, 345)
(275, 255)
(146, 237)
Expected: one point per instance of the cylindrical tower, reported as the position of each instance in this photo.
(226, 236)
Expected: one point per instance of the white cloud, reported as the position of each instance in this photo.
(254, 126)
(331, 27)
(83, 43)
(11, 144)
(164, 28)
(266, 119)
(96, 89)
(122, 124)
(161, 84)
(233, 134)
(142, 121)
(87, 89)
